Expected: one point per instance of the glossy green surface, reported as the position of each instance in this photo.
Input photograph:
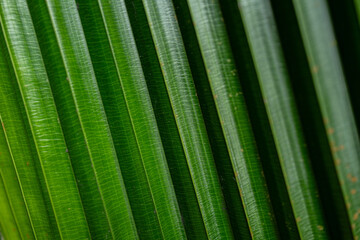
(260, 121)
(335, 214)
(74, 137)
(90, 110)
(9, 228)
(143, 120)
(180, 175)
(222, 160)
(179, 119)
(25, 161)
(274, 81)
(13, 190)
(119, 121)
(329, 81)
(182, 94)
(230, 103)
(45, 127)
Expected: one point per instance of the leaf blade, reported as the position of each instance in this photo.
(178, 80)
(41, 111)
(142, 117)
(329, 81)
(284, 121)
(87, 99)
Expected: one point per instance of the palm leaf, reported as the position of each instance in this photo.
(174, 152)
(208, 119)
(40, 108)
(347, 30)
(280, 105)
(218, 145)
(232, 112)
(329, 81)
(8, 224)
(92, 117)
(25, 161)
(119, 121)
(323, 167)
(133, 83)
(76, 144)
(260, 121)
(186, 109)
(13, 191)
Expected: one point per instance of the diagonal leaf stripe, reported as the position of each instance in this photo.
(329, 81)
(92, 117)
(274, 81)
(182, 94)
(179, 119)
(40, 109)
(230, 103)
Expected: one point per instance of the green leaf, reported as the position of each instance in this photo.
(260, 121)
(234, 118)
(143, 120)
(13, 191)
(347, 29)
(284, 120)
(218, 145)
(357, 8)
(186, 109)
(184, 189)
(333, 204)
(86, 94)
(8, 224)
(40, 108)
(25, 161)
(329, 81)
(74, 137)
(119, 120)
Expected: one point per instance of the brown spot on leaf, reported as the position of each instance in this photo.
(337, 162)
(330, 130)
(315, 69)
(321, 228)
(356, 215)
(353, 191)
(298, 219)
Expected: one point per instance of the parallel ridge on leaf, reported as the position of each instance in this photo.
(132, 80)
(232, 111)
(279, 101)
(40, 108)
(182, 94)
(330, 86)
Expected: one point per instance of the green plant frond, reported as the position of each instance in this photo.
(279, 101)
(332, 94)
(43, 119)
